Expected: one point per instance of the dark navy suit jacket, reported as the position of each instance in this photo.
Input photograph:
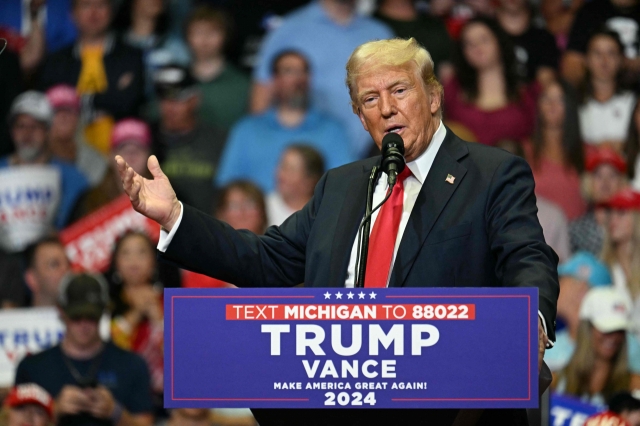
(480, 231)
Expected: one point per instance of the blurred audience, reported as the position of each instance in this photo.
(108, 74)
(558, 16)
(555, 151)
(577, 275)
(536, 52)
(47, 265)
(555, 227)
(604, 176)
(93, 382)
(621, 16)
(326, 32)
(137, 313)
(300, 169)
(621, 250)
(456, 13)
(31, 117)
(12, 288)
(599, 365)
(406, 20)
(131, 139)
(605, 108)
(144, 24)
(257, 141)
(242, 205)
(27, 405)
(65, 138)
(9, 71)
(623, 410)
(40, 27)
(632, 148)
(486, 95)
(224, 88)
(187, 147)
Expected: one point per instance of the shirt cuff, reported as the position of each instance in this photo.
(166, 237)
(544, 324)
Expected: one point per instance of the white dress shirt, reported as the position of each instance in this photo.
(412, 185)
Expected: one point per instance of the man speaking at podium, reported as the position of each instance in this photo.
(460, 215)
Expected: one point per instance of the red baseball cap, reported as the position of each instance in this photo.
(30, 393)
(626, 199)
(131, 130)
(63, 96)
(605, 155)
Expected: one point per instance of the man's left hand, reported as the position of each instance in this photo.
(542, 343)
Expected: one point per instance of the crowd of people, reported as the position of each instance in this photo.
(245, 106)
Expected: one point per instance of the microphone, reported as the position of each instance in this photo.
(392, 157)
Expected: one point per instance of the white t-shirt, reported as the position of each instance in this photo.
(277, 209)
(606, 121)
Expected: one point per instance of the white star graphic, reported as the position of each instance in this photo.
(338, 295)
(349, 295)
(327, 295)
(361, 295)
(372, 295)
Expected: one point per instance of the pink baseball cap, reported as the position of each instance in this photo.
(63, 96)
(131, 130)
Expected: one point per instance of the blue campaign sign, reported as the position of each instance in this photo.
(570, 411)
(351, 348)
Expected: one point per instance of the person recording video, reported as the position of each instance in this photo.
(93, 382)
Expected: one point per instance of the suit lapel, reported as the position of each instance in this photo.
(346, 230)
(433, 197)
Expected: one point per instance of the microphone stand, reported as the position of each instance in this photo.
(365, 226)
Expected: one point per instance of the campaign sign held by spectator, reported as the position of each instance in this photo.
(351, 348)
(568, 411)
(29, 331)
(29, 197)
(89, 242)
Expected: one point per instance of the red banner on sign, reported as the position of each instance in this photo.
(89, 242)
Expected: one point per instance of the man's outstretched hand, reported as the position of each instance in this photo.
(153, 198)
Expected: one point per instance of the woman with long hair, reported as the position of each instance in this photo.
(555, 150)
(137, 312)
(605, 107)
(486, 95)
(599, 365)
(621, 251)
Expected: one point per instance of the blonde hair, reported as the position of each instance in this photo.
(578, 371)
(610, 258)
(395, 52)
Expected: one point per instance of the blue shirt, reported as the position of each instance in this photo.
(327, 45)
(256, 143)
(60, 31)
(74, 184)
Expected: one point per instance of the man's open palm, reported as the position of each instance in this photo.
(154, 198)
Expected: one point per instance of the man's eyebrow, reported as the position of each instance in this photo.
(390, 86)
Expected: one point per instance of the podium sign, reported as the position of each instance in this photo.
(351, 348)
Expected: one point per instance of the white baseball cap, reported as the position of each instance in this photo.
(607, 309)
(34, 104)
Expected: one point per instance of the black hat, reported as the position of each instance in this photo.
(174, 82)
(84, 296)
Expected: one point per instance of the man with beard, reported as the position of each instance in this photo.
(257, 142)
(30, 119)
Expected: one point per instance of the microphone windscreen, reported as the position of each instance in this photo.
(392, 140)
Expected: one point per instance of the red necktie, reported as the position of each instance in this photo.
(383, 236)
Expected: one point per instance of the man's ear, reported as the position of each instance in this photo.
(30, 279)
(435, 101)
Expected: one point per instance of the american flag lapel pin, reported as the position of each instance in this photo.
(450, 179)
